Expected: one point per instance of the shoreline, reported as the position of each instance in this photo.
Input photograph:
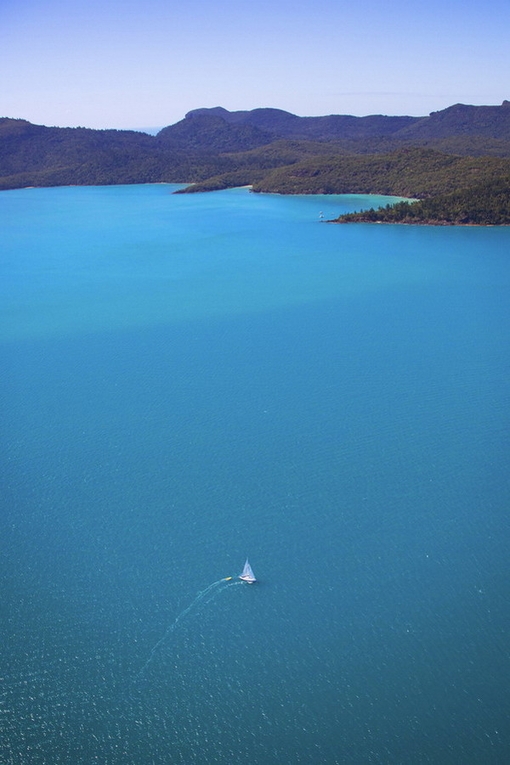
(443, 223)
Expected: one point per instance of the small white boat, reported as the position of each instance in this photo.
(247, 575)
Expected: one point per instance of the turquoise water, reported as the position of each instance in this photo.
(190, 380)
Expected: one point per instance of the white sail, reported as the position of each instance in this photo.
(247, 575)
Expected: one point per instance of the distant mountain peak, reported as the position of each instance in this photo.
(215, 111)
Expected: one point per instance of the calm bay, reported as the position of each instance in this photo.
(190, 380)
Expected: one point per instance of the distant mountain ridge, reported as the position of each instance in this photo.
(217, 148)
(462, 120)
(281, 124)
(459, 119)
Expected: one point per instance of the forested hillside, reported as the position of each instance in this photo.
(408, 172)
(271, 150)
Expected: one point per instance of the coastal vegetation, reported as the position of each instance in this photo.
(485, 203)
(274, 151)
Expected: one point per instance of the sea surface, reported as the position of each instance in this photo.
(191, 380)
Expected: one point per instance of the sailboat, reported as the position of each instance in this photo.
(247, 575)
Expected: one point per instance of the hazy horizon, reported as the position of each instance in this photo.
(112, 65)
(154, 129)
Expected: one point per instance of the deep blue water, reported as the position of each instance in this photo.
(190, 380)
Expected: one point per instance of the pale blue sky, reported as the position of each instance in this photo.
(141, 63)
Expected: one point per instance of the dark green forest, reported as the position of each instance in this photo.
(483, 204)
